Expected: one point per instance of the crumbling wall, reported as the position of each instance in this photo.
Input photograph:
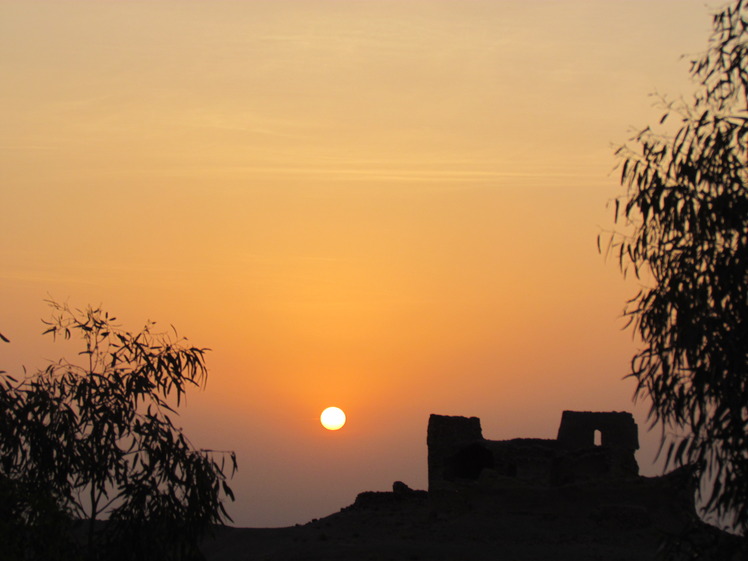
(447, 436)
(619, 441)
(457, 451)
(618, 430)
(528, 459)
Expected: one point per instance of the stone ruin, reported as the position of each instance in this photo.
(588, 471)
(458, 453)
(583, 487)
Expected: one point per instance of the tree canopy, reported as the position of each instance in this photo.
(94, 439)
(685, 213)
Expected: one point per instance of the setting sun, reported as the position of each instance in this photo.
(391, 206)
(332, 418)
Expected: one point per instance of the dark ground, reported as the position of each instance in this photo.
(626, 522)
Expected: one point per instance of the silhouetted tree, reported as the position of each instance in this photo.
(94, 439)
(686, 211)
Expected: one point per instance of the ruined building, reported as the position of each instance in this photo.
(589, 446)
(588, 472)
(576, 497)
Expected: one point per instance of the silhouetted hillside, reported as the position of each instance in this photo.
(581, 522)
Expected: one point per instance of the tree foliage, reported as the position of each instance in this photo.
(686, 216)
(94, 439)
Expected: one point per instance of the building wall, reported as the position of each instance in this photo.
(457, 451)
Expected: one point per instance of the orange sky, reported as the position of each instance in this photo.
(388, 206)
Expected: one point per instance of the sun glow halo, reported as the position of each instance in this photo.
(332, 418)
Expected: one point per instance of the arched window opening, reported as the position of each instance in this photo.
(598, 438)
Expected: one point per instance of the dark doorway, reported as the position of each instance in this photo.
(468, 463)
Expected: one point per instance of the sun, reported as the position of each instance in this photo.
(332, 418)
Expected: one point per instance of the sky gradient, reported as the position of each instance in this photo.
(387, 206)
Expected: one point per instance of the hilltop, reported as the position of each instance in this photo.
(567, 499)
(571, 523)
